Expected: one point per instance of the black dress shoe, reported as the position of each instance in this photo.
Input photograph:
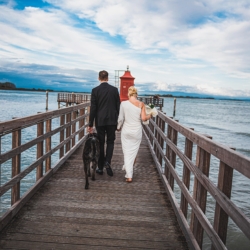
(99, 171)
(108, 169)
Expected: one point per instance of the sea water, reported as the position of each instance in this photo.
(226, 121)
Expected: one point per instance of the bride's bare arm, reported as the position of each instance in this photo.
(144, 116)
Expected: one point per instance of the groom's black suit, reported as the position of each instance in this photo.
(104, 110)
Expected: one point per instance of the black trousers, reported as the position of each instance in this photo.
(106, 132)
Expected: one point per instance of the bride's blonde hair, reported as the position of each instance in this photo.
(132, 91)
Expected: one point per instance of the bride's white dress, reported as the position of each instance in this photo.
(130, 121)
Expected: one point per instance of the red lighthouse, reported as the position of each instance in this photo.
(126, 81)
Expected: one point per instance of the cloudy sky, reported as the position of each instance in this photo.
(170, 45)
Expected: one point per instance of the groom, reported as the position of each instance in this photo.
(104, 111)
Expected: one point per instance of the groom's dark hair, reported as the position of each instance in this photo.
(103, 75)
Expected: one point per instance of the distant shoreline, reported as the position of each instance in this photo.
(24, 89)
(42, 90)
(146, 95)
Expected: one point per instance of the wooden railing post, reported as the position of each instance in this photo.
(68, 131)
(168, 149)
(73, 128)
(151, 126)
(173, 157)
(161, 140)
(62, 122)
(225, 179)
(158, 137)
(186, 175)
(155, 119)
(16, 166)
(200, 193)
(39, 169)
(82, 123)
(48, 146)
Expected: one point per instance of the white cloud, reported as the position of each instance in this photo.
(195, 43)
(189, 30)
(37, 35)
(202, 89)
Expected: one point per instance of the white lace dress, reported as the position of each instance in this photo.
(130, 121)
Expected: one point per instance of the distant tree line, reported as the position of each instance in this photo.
(12, 86)
(7, 85)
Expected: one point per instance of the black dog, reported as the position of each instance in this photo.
(90, 154)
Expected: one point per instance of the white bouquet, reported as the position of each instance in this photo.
(150, 110)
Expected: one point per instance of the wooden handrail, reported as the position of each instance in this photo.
(47, 126)
(228, 161)
(71, 98)
(232, 158)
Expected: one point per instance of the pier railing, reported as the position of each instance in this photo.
(56, 133)
(71, 99)
(191, 207)
(157, 102)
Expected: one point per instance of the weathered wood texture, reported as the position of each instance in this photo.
(67, 132)
(112, 214)
(205, 147)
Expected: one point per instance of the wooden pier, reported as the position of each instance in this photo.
(66, 99)
(58, 213)
(112, 214)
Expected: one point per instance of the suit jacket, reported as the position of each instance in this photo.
(105, 105)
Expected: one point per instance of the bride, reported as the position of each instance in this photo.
(132, 112)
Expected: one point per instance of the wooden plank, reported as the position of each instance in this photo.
(232, 158)
(39, 151)
(73, 128)
(191, 241)
(26, 197)
(12, 211)
(83, 241)
(156, 120)
(160, 139)
(16, 166)
(174, 137)
(228, 206)
(182, 220)
(33, 119)
(4, 188)
(63, 215)
(168, 150)
(200, 193)
(68, 132)
(225, 179)
(48, 146)
(241, 220)
(62, 122)
(9, 154)
(186, 175)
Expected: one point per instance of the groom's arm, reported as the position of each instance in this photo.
(93, 110)
(118, 102)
